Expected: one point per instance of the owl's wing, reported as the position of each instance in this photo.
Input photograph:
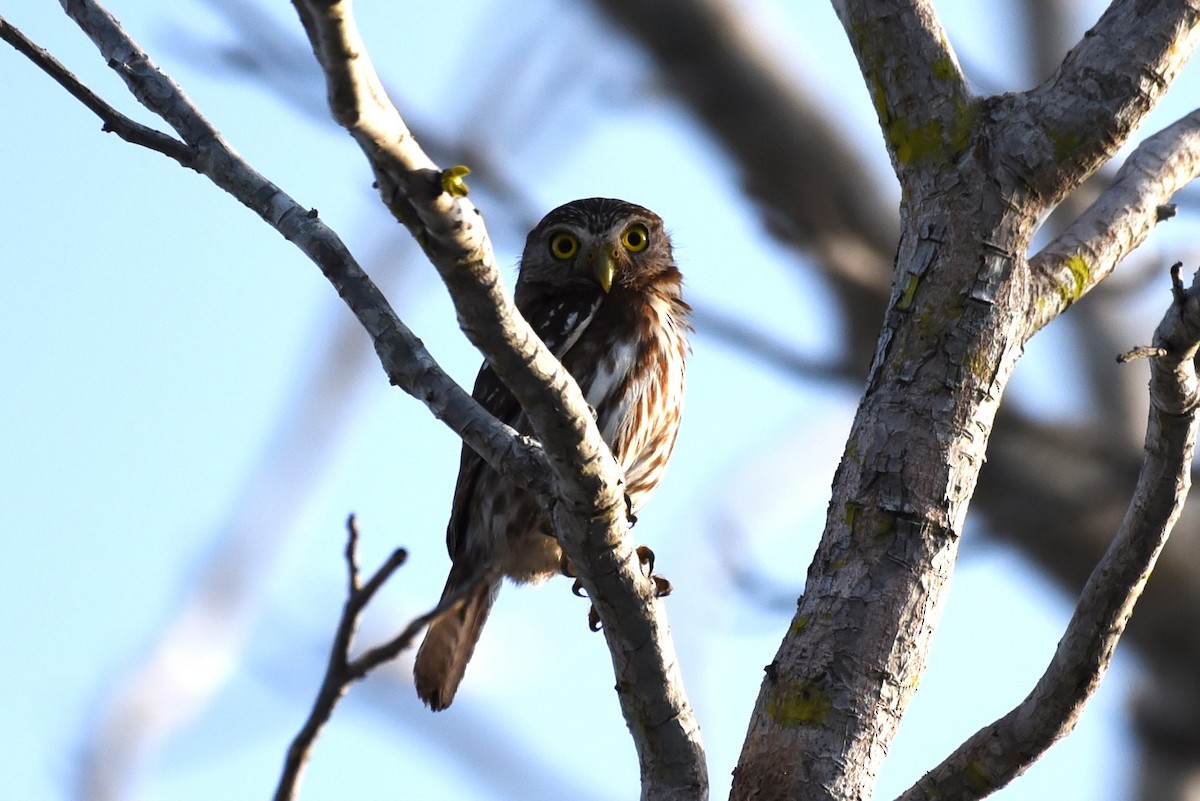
(559, 320)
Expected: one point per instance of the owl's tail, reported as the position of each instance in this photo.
(450, 640)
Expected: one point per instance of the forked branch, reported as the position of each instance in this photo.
(588, 506)
(341, 671)
(1003, 750)
(917, 87)
(580, 482)
(202, 148)
(1064, 129)
(1118, 221)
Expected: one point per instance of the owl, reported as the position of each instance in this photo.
(599, 285)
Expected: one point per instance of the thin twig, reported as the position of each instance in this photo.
(369, 660)
(114, 121)
(341, 671)
(1140, 352)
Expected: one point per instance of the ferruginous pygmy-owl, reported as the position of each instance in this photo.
(599, 285)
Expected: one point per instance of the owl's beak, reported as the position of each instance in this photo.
(604, 266)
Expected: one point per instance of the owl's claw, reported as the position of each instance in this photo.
(662, 587)
(566, 568)
(629, 515)
(646, 557)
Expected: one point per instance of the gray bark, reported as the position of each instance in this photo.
(977, 174)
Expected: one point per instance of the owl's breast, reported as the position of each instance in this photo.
(632, 375)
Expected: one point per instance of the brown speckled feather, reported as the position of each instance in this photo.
(625, 347)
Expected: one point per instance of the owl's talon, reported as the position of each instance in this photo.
(629, 515)
(662, 587)
(577, 589)
(593, 619)
(566, 568)
(646, 558)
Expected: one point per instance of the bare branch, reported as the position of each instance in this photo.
(588, 511)
(449, 228)
(336, 681)
(405, 359)
(1057, 134)
(1000, 752)
(1118, 221)
(341, 671)
(434, 206)
(114, 121)
(1140, 352)
(918, 88)
(850, 661)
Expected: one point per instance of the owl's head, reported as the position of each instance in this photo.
(598, 242)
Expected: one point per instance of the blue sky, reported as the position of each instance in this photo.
(156, 338)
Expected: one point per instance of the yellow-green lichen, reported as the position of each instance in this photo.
(851, 514)
(943, 69)
(1079, 275)
(977, 780)
(799, 705)
(910, 291)
(1064, 143)
(920, 142)
(914, 143)
(979, 366)
(799, 624)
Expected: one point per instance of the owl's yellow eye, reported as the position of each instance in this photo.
(563, 245)
(635, 238)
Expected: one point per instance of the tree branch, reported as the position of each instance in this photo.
(849, 663)
(1118, 221)
(1060, 132)
(588, 511)
(1000, 752)
(449, 228)
(341, 671)
(337, 678)
(919, 91)
(114, 121)
(405, 359)
(451, 231)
